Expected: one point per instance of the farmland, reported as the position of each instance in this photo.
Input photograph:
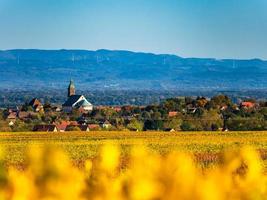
(205, 146)
(116, 164)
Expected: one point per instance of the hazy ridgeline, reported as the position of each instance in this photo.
(106, 69)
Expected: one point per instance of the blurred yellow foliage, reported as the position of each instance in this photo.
(50, 175)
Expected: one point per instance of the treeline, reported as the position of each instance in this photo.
(190, 114)
(116, 97)
(174, 114)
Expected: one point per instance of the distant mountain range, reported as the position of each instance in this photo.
(106, 69)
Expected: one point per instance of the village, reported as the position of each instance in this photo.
(175, 114)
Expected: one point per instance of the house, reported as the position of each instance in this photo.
(191, 110)
(57, 108)
(169, 129)
(84, 128)
(74, 123)
(101, 107)
(11, 118)
(82, 121)
(45, 128)
(74, 101)
(23, 115)
(223, 108)
(225, 129)
(106, 124)
(36, 105)
(93, 126)
(11, 123)
(172, 113)
(247, 104)
(62, 126)
(117, 109)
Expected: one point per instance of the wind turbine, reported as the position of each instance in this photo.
(73, 58)
(234, 64)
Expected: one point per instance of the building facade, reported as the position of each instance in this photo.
(74, 101)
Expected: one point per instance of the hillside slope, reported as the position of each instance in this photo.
(106, 69)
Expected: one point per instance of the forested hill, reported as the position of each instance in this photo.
(106, 69)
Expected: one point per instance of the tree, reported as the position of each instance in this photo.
(201, 102)
(153, 125)
(146, 115)
(173, 104)
(4, 127)
(211, 120)
(220, 100)
(21, 126)
(191, 125)
(173, 123)
(245, 124)
(75, 114)
(156, 116)
(135, 125)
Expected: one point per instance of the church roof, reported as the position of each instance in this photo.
(72, 100)
(83, 103)
(34, 102)
(75, 100)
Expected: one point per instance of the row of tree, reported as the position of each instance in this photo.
(186, 114)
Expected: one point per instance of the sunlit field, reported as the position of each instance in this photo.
(205, 147)
(127, 165)
(133, 165)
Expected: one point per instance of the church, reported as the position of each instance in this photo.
(74, 101)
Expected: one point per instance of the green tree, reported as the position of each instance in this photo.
(135, 125)
(219, 101)
(173, 123)
(75, 114)
(191, 125)
(21, 126)
(211, 120)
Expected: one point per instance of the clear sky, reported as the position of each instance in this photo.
(189, 28)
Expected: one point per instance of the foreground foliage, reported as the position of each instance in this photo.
(50, 175)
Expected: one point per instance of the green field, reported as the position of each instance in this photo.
(205, 146)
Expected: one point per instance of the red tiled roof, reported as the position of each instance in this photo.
(74, 123)
(23, 114)
(12, 115)
(117, 109)
(61, 127)
(93, 126)
(247, 104)
(173, 113)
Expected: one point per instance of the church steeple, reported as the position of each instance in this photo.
(71, 89)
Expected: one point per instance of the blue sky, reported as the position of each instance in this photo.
(189, 28)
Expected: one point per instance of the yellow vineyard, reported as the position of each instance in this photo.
(126, 165)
